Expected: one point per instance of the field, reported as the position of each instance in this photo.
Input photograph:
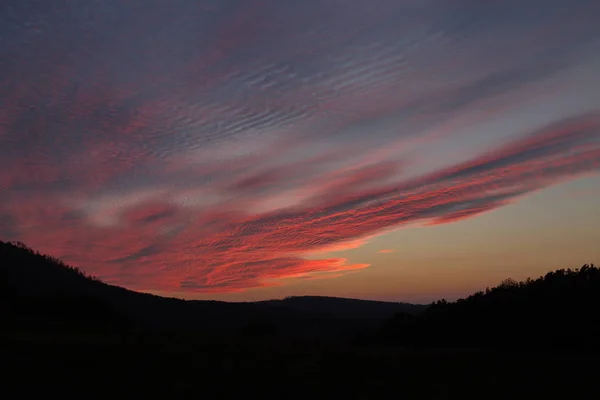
(234, 369)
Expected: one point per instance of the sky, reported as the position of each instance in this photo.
(401, 150)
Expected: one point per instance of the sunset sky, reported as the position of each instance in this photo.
(401, 150)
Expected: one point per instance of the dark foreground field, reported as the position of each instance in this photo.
(230, 369)
(67, 335)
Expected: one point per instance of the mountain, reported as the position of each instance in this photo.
(67, 332)
(46, 292)
(346, 308)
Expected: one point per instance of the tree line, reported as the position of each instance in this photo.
(560, 310)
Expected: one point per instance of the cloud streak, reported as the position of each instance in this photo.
(217, 146)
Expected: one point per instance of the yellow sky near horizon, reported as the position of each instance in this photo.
(425, 263)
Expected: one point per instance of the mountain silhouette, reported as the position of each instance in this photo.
(69, 332)
(42, 288)
(560, 310)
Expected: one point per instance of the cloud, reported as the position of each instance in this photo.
(386, 251)
(219, 146)
(157, 245)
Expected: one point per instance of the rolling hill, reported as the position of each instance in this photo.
(43, 289)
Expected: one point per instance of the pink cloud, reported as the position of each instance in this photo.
(215, 148)
(157, 244)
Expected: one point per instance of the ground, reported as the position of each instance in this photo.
(227, 368)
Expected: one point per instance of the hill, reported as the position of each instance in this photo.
(345, 307)
(40, 288)
(40, 293)
(71, 334)
(560, 310)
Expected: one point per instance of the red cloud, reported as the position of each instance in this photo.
(154, 243)
(216, 148)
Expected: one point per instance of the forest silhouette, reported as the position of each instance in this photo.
(537, 335)
(559, 310)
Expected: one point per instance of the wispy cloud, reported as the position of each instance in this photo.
(386, 251)
(217, 146)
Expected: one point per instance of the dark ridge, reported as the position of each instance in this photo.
(41, 288)
(68, 333)
(347, 308)
(560, 310)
